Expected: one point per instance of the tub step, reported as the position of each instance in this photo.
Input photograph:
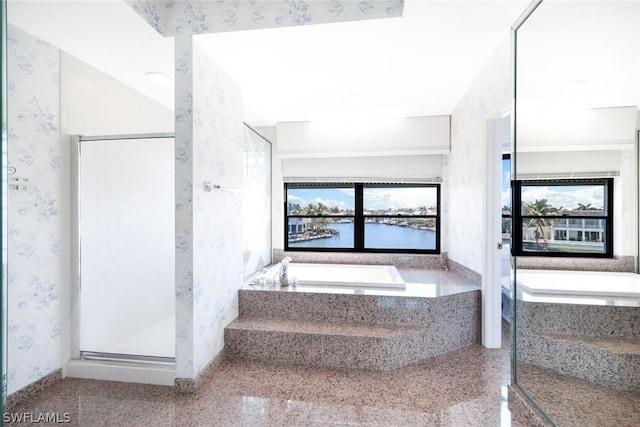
(337, 344)
(352, 330)
(609, 361)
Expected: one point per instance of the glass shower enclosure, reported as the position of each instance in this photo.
(256, 192)
(124, 262)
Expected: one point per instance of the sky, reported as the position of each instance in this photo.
(558, 196)
(343, 198)
(565, 196)
(374, 198)
(506, 182)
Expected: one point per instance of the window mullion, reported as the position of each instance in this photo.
(358, 229)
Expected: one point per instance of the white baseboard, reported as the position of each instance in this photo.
(124, 372)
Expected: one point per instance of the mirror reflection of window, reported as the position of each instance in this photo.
(564, 218)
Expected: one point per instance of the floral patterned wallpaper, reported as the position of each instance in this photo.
(171, 17)
(208, 223)
(465, 172)
(34, 222)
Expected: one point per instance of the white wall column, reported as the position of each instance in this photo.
(208, 223)
(491, 279)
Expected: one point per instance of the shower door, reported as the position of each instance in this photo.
(125, 236)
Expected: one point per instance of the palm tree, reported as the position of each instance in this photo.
(587, 207)
(540, 208)
(315, 210)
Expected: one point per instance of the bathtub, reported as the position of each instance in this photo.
(343, 275)
(578, 283)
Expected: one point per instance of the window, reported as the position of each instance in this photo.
(363, 217)
(563, 218)
(506, 200)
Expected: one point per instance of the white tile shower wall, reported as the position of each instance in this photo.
(208, 224)
(465, 173)
(93, 103)
(35, 224)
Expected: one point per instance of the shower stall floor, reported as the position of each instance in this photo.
(157, 340)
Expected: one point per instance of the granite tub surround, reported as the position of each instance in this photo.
(599, 344)
(365, 329)
(616, 264)
(575, 402)
(429, 262)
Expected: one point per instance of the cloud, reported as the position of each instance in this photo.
(348, 191)
(295, 199)
(566, 197)
(399, 198)
(506, 197)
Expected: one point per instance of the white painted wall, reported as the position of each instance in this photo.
(409, 136)
(393, 168)
(392, 150)
(576, 129)
(538, 164)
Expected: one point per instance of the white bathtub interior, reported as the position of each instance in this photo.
(341, 275)
(579, 287)
(579, 283)
(417, 282)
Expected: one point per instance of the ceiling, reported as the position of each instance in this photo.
(418, 65)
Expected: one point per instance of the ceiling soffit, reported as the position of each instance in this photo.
(172, 18)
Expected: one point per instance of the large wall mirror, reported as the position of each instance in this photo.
(575, 172)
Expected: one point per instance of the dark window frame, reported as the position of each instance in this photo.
(359, 218)
(507, 220)
(518, 218)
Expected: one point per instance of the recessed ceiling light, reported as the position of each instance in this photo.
(157, 77)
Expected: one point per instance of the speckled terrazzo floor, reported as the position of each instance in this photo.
(573, 402)
(467, 387)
